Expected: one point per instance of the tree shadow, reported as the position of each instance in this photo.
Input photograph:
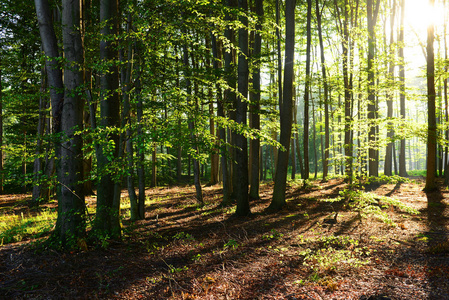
(437, 243)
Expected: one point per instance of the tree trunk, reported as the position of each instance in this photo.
(70, 225)
(326, 92)
(126, 124)
(154, 166)
(140, 143)
(191, 125)
(306, 91)
(217, 53)
(255, 104)
(372, 107)
(280, 182)
(432, 126)
(402, 165)
(230, 95)
(54, 75)
(388, 170)
(107, 221)
(1, 134)
(241, 142)
(39, 181)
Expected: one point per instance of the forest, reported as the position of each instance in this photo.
(233, 149)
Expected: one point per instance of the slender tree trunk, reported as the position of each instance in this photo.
(255, 105)
(217, 53)
(70, 225)
(191, 125)
(54, 75)
(431, 111)
(306, 91)
(280, 181)
(241, 143)
(214, 156)
(140, 143)
(279, 54)
(293, 157)
(39, 180)
(296, 140)
(154, 166)
(126, 124)
(230, 96)
(1, 133)
(315, 155)
(107, 220)
(372, 107)
(326, 92)
(402, 164)
(446, 102)
(388, 170)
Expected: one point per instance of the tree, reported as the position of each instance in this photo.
(326, 90)
(431, 110)
(402, 166)
(71, 207)
(388, 170)
(107, 221)
(307, 91)
(67, 110)
(255, 104)
(372, 12)
(280, 181)
(241, 142)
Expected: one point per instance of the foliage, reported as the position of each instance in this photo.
(333, 254)
(15, 228)
(367, 204)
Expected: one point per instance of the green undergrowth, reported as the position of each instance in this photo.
(369, 204)
(330, 255)
(16, 228)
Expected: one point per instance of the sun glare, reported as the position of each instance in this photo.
(419, 15)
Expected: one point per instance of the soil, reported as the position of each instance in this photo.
(313, 249)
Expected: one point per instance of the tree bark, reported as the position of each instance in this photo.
(306, 91)
(1, 134)
(217, 53)
(39, 180)
(388, 170)
(402, 164)
(326, 92)
(280, 182)
(241, 142)
(107, 221)
(70, 224)
(255, 105)
(431, 110)
(140, 143)
(372, 13)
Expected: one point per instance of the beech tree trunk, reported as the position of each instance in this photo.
(326, 92)
(217, 53)
(1, 133)
(388, 170)
(107, 221)
(280, 181)
(255, 105)
(372, 107)
(431, 109)
(402, 164)
(306, 92)
(70, 224)
(241, 142)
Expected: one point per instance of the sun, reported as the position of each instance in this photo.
(419, 15)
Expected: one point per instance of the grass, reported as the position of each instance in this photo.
(16, 228)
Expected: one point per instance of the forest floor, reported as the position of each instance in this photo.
(315, 248)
